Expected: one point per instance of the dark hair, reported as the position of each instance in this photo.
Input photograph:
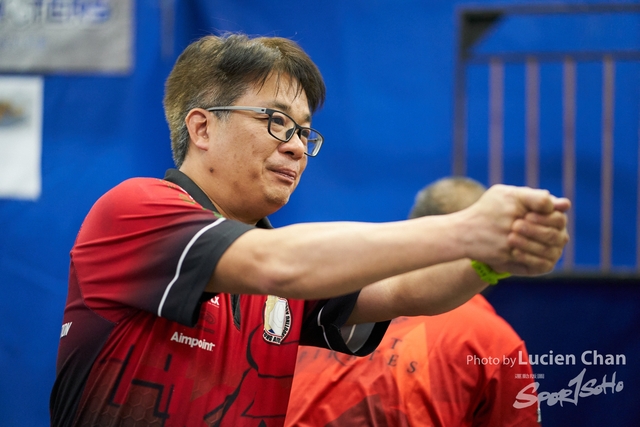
(445, 196)
(215, 71)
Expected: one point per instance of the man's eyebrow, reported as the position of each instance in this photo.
(277, 105)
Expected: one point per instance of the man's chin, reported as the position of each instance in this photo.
(276, 202)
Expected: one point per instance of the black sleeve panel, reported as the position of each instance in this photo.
(185, 296)
(322, 326)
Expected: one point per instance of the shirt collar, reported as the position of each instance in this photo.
(179, 178)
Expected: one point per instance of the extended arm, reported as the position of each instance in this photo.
(536, 241)
(321, 260)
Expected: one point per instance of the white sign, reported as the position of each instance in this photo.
(66, 35)
(20, 137)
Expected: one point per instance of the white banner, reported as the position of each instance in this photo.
(66, 35)
(20, 137)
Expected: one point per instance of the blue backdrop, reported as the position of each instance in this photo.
(389, 70)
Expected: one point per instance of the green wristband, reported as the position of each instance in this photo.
(486, 273)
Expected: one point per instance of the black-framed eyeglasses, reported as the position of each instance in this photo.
(282, 127)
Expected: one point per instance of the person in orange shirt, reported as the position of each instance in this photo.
(459, 368)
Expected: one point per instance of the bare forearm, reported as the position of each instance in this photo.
(428, 291)
(319, 260)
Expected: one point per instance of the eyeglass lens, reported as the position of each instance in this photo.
(282, 127)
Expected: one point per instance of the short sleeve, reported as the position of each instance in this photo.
(147, 245)
(323, 326)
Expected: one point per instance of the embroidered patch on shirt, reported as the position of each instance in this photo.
(277, 319)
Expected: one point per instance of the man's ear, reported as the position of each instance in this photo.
(197, 122)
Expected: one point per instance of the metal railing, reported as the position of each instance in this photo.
(473, 23)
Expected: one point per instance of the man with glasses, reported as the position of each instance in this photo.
(185, 307)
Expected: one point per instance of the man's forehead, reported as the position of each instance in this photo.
(281, 87)
(283, 93)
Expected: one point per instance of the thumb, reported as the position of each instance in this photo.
(561, 204)
(535, 200)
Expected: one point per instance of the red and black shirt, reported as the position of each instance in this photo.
(142, 343)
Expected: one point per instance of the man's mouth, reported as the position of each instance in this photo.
(287, 174)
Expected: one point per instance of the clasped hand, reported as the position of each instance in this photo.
(527, 229)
